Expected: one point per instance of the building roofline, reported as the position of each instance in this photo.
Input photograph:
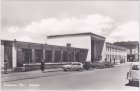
(12, 41)
(76, 34)
(127, 42)
(116, 45)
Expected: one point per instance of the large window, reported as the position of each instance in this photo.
(57, 56)
(38, 55)
(27, 55)
(8, 53)
(48, 56)
(65, 56)
(71, 56)
(77, 56)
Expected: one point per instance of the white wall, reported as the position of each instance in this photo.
(14, 56)
(2, 55)
(104, 53)
(76, 41)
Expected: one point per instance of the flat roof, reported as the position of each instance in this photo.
(127, 43)
(115, 46)
(12, 41)
(77, 34)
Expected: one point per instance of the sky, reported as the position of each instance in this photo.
(32, 21)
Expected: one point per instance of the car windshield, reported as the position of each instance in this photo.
(69, 63)
(135, 67)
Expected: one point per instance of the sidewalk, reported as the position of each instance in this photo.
(122, 64)
(27, 75)
(15, 76)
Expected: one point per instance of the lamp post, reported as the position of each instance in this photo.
(29, 54)
(68, 54)
(41, 53)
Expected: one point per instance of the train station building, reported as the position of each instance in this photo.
(99, 49)
(80, 47)
(18, 54)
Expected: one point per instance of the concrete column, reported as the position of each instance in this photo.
(131, 51)
(33, 55)
(95, 51)
(44, 56)
(2, 55)
(61, 56)
(14, 55)
(53, 55)
(74, 57)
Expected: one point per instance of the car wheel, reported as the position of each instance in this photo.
(130, 82)
(101, 67)
(90, 68)
(80, 69)
(68, 69)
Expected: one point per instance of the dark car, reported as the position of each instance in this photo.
(108, 64)
(87, 66)
(98, 65)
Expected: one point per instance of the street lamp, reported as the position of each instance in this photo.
(41, 54)
(29, 53)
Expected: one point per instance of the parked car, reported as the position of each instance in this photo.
(108, 64)
(88, 66)
(98, 65)
(73, 66)
(133, 74)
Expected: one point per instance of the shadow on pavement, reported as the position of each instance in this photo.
(133, 84)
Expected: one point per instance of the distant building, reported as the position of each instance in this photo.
(132, 50)
(115, 53)
(98, 48)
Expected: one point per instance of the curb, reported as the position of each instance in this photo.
(123, 64)
(28, 76)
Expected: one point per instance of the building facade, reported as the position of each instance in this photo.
(18, 53)
(78, 47)
(132, 49)
(94, 43)
(115, 53)
(99, 50)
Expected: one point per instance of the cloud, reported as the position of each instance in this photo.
(24, 38)
(91, 23)
(95, 23)
(13, 29)
(125, 32)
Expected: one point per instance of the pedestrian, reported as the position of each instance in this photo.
(114, 60)
(110, 59)
(5, 67)
(42, 66)
(105, 59)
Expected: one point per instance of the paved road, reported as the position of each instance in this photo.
(99, 79)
